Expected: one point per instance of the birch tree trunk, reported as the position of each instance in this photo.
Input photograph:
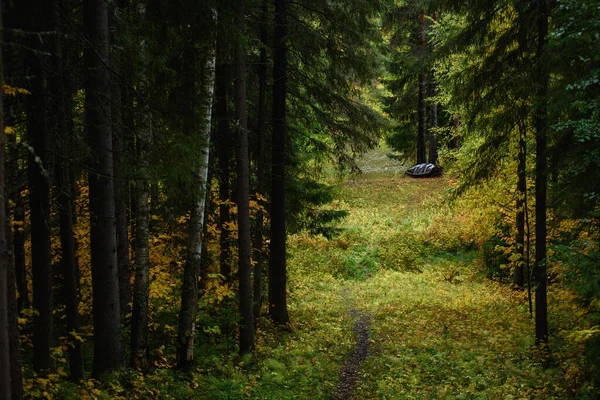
(189, 292)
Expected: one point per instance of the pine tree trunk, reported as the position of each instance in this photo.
(278, 267)
(189, 292)
(223, 143)
(108, 351)
(519, 275)
(5, 365)
(421, 110)
(541, 178)
(246, 337)
(121, 190)
(260, 165)
(65, 206)
(39, 203)
(141, 197)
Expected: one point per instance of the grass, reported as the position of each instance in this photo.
(440, 329)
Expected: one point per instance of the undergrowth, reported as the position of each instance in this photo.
(410, 257)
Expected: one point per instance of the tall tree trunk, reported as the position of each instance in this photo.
(141, 194)
(5, 365)
(223, 143)
(119, 130)
(108, 351)
(189, 291)
(278, 267)
(243, 200)
(541, 178)
(39, 203)
(18, 233)
(260, 164)
(65, 205)
(519, 275)
(421, 110)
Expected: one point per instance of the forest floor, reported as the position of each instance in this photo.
(396, 307)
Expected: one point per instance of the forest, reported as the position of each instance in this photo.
(210, 200)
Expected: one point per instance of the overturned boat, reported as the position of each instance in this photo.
(424, 171)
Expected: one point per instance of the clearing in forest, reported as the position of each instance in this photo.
(405, 264)
(395, 307)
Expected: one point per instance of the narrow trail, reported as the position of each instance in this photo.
(351, 371)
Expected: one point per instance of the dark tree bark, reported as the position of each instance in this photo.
(121, 197)
(65, 204)
(39, 200)
(278, 267)
(120, 100)
(108, 352)
(519, 275)
(541, 178)
(421, 111)
(223, 145)
(246, 337)
(18, 232)
(258, 243)
(141, 194)
(5, 365)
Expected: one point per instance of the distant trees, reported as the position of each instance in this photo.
(412, 102)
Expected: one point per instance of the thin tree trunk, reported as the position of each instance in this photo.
(246, 337)
(189, 292)
(39, 203)
(65, 207)
(223, 143)
(260, 164)
(421, 111)
(5, 364)
(121, 193)
(141, 287)
(18, 234)
(541, 178)
(278, 267)
(519, 275)
(108, 351)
